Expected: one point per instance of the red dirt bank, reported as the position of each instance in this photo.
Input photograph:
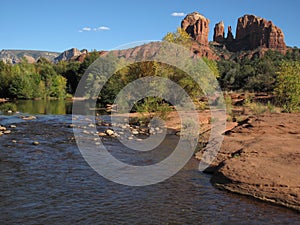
(261, 158)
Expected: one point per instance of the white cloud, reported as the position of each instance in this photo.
(94, 29)
(86, 29)
(103, 28)
(180, 14)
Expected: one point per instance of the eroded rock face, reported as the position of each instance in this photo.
(219, 34)
(253, 32)
(68, 54)
(196, 25)
(230, 36)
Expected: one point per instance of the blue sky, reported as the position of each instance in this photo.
(57, 25)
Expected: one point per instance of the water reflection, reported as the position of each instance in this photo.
(60, 107)
(56, 107)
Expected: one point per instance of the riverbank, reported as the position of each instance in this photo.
(260, 158)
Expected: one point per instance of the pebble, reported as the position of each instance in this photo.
(9, 111)
(85, 132)
(130, 138)
(2, 128)
(135, 132)
(151, 131)
(12, 126)
(109, 132)
(28, 118)
(91, 125)
(7, 132)
(35, 143)
(71, 125)
(13, 141)
(102, 134)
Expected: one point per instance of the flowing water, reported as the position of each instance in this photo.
(50, 183)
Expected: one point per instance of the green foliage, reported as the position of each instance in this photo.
(8, 106)
(179, 37)
(255, 74)
(288, 86)
(212, 65)
(228, 103)
(150, 105)
(27, 81)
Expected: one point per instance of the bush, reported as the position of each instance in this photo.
(153, 105)
(8, 107)
(288, 86)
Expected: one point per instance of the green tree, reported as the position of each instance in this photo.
(288, 86)
(179, 37)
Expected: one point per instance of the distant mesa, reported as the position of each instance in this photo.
(70, 54)
(16, 56)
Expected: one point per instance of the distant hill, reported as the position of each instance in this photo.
(15, 56)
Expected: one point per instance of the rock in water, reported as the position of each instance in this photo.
(109, 132)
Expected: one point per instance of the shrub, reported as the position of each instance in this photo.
(288, 86)
(8, 107)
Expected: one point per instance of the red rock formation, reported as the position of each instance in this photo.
(253, 32)
(219, 34)
(196, 26)
(230, 37)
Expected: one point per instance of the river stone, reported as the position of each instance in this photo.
(29, 118)
(2, 128)
(7, 132)
(101, 134)
(109, 132)
(135, 132)
(35, 143)
(12, 126)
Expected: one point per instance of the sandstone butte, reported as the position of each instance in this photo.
(252, 33)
